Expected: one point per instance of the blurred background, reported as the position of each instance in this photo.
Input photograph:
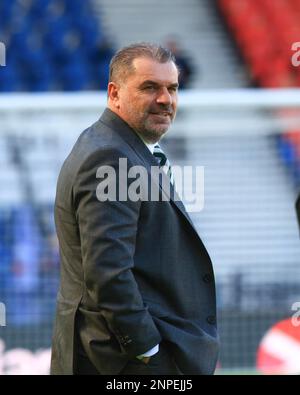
(239, 117)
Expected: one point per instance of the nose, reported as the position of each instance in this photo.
(164, 97)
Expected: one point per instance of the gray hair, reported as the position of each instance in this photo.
(121, 65)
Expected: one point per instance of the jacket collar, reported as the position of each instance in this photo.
(113, 121)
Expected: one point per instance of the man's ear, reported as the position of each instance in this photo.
(113, 94)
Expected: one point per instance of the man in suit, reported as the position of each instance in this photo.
(137, 292)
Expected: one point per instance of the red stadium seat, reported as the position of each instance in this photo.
(265, 31)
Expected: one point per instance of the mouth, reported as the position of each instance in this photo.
(162, 114)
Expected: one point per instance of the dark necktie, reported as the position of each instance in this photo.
(163, 161)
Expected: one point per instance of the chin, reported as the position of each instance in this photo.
(157, 134)
(159, 129)
(154, 132)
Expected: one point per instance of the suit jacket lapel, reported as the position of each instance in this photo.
(113, 121)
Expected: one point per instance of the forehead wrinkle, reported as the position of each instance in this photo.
(158, 82)
(149, 72)
(152, 78)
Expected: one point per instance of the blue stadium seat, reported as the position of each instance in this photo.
(6, 13)
(287, 152)
(10, 79)
(52, 44)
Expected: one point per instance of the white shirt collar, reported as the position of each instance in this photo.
(151, 147)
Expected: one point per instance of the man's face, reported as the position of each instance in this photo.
(147, 99)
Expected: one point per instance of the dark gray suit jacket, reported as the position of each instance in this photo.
(132, 273)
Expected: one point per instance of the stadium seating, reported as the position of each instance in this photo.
(265, 31)
(52, 45)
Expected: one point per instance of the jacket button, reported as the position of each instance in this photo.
(207, 278)
(211, 319)
(125, 340)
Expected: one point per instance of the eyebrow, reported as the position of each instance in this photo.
(150, 82)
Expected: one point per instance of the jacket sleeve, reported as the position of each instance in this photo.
(108, 232)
